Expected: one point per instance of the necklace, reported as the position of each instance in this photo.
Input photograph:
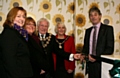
(60, 43)
(47, 40)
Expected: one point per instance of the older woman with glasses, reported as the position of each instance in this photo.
(64, 68)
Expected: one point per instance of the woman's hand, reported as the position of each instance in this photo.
(42, 71)
(69, 71)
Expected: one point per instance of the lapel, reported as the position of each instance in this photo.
(47, 34)
(101, 32)
(88, 33)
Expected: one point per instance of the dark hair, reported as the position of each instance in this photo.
(12, 14)
(94, 9)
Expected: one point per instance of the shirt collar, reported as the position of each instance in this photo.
(98, 25)
(42, 34)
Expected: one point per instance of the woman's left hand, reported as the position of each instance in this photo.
(69, 71)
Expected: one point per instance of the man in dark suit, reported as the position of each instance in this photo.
(99, 40)
(42, 52)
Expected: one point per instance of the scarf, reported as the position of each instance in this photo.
(22, 31)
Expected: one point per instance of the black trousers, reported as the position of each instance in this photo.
(94, 69)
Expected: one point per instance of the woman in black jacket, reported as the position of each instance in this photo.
(36, 57)
(14, 52)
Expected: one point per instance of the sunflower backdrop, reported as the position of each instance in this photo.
(74, 13)
(45, 6)
(15, 3)
(2, 18)
(58, 18)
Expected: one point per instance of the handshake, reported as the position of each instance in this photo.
(82, 57)
(79, 56)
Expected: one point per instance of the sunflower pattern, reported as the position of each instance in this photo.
(79, 47)
(118, 9)
(94, 4)
(45, 6)
(107, 20)
(15, 3)
(71, 7)
(79, 75)
(118, 37)
(118, 41)
(80, 20)
(29, 14)
(57, 18)
(2, 18)
(71, 33)
(71, 12)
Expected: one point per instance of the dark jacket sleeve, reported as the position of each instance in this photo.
(86, 43)
(109, 48)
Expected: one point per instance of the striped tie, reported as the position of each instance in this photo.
(94, 41)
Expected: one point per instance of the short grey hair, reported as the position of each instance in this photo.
(42, 19)
(56, 27)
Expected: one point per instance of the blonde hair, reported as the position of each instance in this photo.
(56, 27)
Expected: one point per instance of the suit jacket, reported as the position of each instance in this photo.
(14, 55)
(105, 41)
(69, 46)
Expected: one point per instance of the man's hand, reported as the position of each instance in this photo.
(42, 71)
(91, 59)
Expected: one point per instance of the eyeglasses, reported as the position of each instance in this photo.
(31, 24)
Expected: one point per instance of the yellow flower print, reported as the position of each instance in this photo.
(79, 75)
(118, 9)
(57, 18)
(31, 15)
(15, 3)
(94, 4)
(71, 7)
(79, 47)
(71, 33)
(45, 6)
(2, 18)
(118, 37)
(107, 20)
(80, 20)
